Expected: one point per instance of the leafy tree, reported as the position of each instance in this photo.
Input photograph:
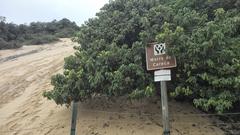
(2, 19)
(202, 34)
(13, 36)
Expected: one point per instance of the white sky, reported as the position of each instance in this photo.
(26, 11)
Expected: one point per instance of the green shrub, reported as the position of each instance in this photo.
(3, 44)
(65, 33)
(41, 39)
(8, 45)
(203, 35)
(13, 36)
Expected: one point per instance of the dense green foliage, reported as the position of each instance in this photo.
(204, 35)
(13, 36)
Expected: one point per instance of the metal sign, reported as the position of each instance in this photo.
(162, 75)
(157, 58)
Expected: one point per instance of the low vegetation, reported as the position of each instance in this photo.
(14, 36)
(204, 35)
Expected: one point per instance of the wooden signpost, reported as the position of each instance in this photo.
(157, 58)
(74, 118)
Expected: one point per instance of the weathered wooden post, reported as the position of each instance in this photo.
(74, 118)
(165, 118)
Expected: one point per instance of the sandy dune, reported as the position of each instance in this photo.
(23, 110)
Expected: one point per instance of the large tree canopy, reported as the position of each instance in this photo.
(204, 35)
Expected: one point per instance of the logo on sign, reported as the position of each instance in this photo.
(159, 49)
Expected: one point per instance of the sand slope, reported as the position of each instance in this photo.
(25, 74)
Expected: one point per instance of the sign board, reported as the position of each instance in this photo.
(157, 58)
(162, 75)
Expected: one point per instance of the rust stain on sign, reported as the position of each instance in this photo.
(157, 59)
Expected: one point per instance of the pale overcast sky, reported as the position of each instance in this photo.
(25, 11)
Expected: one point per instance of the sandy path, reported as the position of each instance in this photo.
(21, 85)
(23, 110)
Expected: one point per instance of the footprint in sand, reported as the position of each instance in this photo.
(14, 126)
(11, 122)
(34, 118)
